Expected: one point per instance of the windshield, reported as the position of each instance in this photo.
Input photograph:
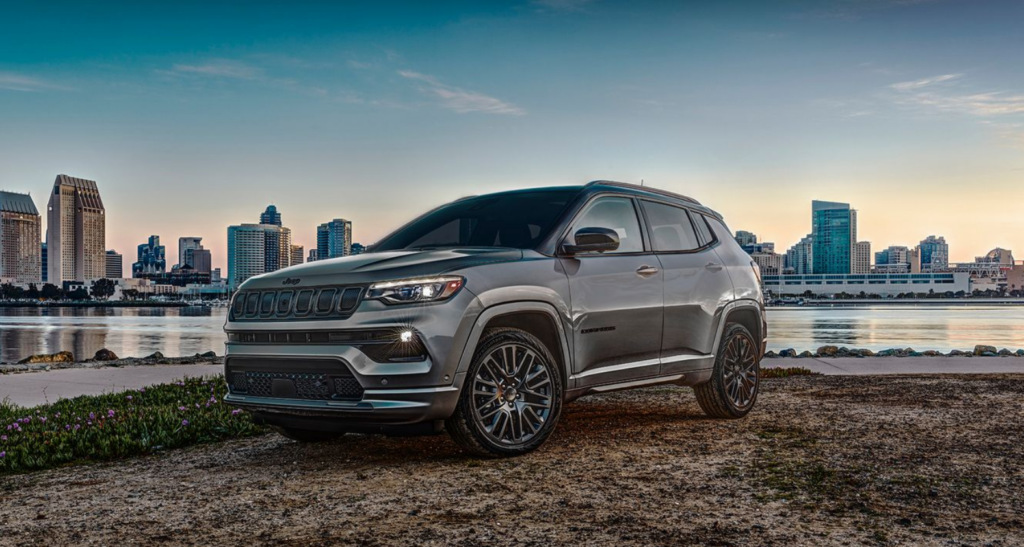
(515, 219)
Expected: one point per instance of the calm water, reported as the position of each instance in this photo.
(185, 331)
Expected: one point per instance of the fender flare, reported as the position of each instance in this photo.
(723, 314)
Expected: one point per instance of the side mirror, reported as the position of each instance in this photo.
(592, 240)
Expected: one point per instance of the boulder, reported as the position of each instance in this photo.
(867, 353)
(789, 352)
(827, 351)
(805, 354)
(982, 350)
(915, 354)
(931, 353)
(156, 355)
(770, 354)
(885, 353)
(59, 357)
(957, 353)
(1005, 352)
(105, 355)
(989, 354)
(1020, 353)
(209, 355)
(843, 352)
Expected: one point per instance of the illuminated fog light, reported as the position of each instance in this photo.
(406, 336)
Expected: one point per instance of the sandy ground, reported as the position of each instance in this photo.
(830, 460)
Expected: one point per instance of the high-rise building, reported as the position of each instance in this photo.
(861, 260)
(20, 226)
(255, 249)
(200, 260)
(834, 231)
(744, 237)
(312, 256)
(893, 259)
(115, 265)
(934, 253)
(800, 257)
(152, 258)
(185, 247)
(298, 254)
(270, 216)
(768, 263)
(43, 262)
(358, 249)
(75, 231)
(334, 239)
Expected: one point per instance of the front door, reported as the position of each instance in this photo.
(616, 299)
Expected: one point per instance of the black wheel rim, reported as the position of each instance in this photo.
(513, 395)
(740, 367)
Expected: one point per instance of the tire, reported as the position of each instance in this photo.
(309, 435)
(735, 380)
(505, 409)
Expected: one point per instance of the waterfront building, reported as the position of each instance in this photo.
(989, 271)
(115, 265)
(271, 216)
(934, 253)
(178, 277)
(255, 249)
(76, 231)
(744, 238)
(914, 257)
(200, 260)
(800, 257)
(1015, 279)
(882, 284)
(834, 233)
(312, 256)
(769, 263)
(20, 224)
(861, 260)
(298, 254)
(43, 262)
(215, 276)
(151, 258)
(894, 255)
(185, 246)
(334, 239)
(358, 249)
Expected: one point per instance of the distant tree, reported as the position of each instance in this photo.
(10, 291)
(862, 294)
(102, 288)
(32, 292)
(52, 292)
(808, 294)
(960, 294)
(78, 294)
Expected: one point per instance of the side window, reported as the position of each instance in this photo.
(704, 228)
(671, 229)
(617, 214)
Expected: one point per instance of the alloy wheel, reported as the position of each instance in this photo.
(512, 394)
(740, 366)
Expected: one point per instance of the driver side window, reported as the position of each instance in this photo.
(616, 214)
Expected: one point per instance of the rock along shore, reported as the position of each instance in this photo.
(834, 351)
(103, 358)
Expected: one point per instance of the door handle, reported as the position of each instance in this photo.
(646, 271)
(713, 266)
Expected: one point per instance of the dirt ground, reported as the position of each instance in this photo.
(821, 461)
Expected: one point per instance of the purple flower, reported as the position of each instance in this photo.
(57, 415)
(67, 427)
(3, 454)
(236, 412)
(77, 427)
(184, 423)
(129, 397)
(110, 413)
(197, 405)
(3, 437)
(181, 408)
(92, 416)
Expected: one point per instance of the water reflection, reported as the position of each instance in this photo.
(125, 331)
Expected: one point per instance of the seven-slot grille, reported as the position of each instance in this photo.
(297, 304)
(308, 379)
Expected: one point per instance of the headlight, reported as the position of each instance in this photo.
(423, 289)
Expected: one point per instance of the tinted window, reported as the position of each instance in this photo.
(617, 214)
(705, 230)
(514, 219)
(671, 229)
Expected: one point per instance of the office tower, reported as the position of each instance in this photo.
(20, 225)
(271, 216)
(744, 238)
(861, 261)
(312, 256)
(934, 253)
(75, 231)
(358, 249)
(834, 231)
(800, 257)
(43, 262)
(255, 249)
(185, 247)
(334, 239)
(298, 254)
(151, 258)
(115, 265)
(200, 260)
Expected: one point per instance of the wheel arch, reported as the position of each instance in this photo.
(748, 313)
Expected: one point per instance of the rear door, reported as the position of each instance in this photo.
(696, 285)
(616, 298)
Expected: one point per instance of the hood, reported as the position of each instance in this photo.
(373, 267)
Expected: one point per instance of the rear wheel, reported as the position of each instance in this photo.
(308, 435)
(512, 396)
(734, 384)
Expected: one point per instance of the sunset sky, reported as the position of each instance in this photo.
(193, 116)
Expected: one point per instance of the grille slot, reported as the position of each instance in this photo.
(316, 303)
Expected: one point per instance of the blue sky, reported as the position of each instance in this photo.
(192, 116)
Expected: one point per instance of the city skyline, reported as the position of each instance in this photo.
(377, 113)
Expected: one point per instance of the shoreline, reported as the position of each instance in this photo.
(114, 304)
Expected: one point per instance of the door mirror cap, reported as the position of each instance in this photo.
(592, 240)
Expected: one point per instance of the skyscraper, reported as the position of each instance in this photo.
(744, 237)
(334, 239)
(200, 260)
(298, 254)
(185, 247)
(271, 216)
(312, 256)
(151, 258)
(358, 249)
(115, 265)
(43, 262)
(800, 257)
(20, 223)
(934, 253)
(834, 231)
(861, 260)
(76, 231)
(255, 249)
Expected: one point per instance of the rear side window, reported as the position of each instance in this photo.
(671, 229)
(704, 228)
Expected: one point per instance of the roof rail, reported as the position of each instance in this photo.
(643, 189)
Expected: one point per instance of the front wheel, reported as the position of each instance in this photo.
(512, 396)
(732, 390)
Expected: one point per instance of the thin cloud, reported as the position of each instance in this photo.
(562, 5)
(947, 93)
(461, 100)
(13, 81)
(220, 68)
(925, 82)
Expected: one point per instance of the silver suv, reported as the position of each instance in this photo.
(484, 316)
